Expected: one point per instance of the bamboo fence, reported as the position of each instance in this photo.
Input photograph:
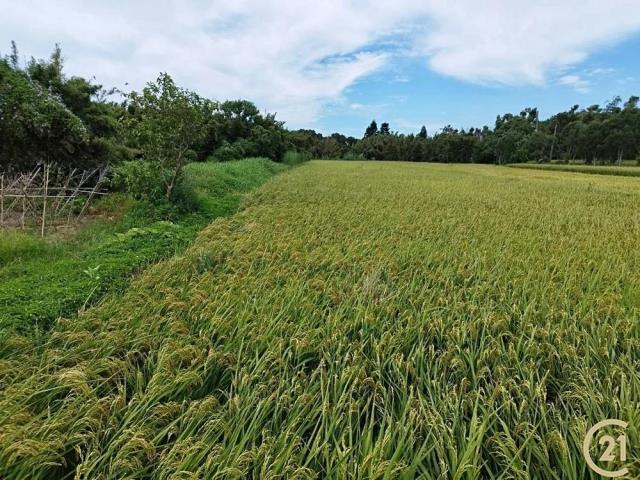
(47, 196)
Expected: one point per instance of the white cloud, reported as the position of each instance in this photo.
(283, 55)
(578, 83)
(593, 72)
(515, 42)
(296, 59)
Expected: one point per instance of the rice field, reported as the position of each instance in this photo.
(367, 320)
(623, 171)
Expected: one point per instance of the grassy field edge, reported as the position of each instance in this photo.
(40, 282)
(622, 171)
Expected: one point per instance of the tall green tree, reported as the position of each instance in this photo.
(166, 123)
(371, 130)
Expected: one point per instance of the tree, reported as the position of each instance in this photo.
(166, 123)
(371, 130)
(303, 141)
(536, 146)
(384, 129)
(268, 142)
(13, 57)
(236, 128)
(237, 118)
(632, 103)
(423, 132)
(48, 73)
(506, 147)
(330, 147)
(613, 106)
(36, 126)
(99, 143)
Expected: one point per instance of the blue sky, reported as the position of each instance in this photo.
(338, 64)
(408, 94)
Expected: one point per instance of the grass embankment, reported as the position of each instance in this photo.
(40, 280)
(623, 171)
(356, 320)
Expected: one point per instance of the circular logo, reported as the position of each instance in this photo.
(616, 448)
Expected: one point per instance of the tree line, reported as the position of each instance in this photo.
(47, 116)
(595, 135)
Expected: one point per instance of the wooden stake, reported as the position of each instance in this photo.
(101, 175)
(24, 208)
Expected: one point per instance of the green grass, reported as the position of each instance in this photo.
(355, 320)
(21, 246)
(217, 188)
(41, 281)
(624, 171)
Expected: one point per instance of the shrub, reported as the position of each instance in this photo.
(351, 155)
(227, 152)
(140, 178)
(292, 157)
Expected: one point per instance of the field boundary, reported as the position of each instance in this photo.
(620, 171)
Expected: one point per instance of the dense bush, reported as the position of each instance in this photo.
(227, 151)
(35, 126)
(140, 178)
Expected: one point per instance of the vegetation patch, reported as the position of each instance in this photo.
(41, 281)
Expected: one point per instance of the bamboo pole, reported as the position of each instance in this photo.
(83, 178)
(24, 209)
(44, 203)
(64, 189)
(26, 184)
(20, 196)
(98, 184)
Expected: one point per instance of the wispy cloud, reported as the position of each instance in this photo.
(578, 83)
(599, 71)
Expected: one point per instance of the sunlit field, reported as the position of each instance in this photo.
(353, 320)
(626, 170)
